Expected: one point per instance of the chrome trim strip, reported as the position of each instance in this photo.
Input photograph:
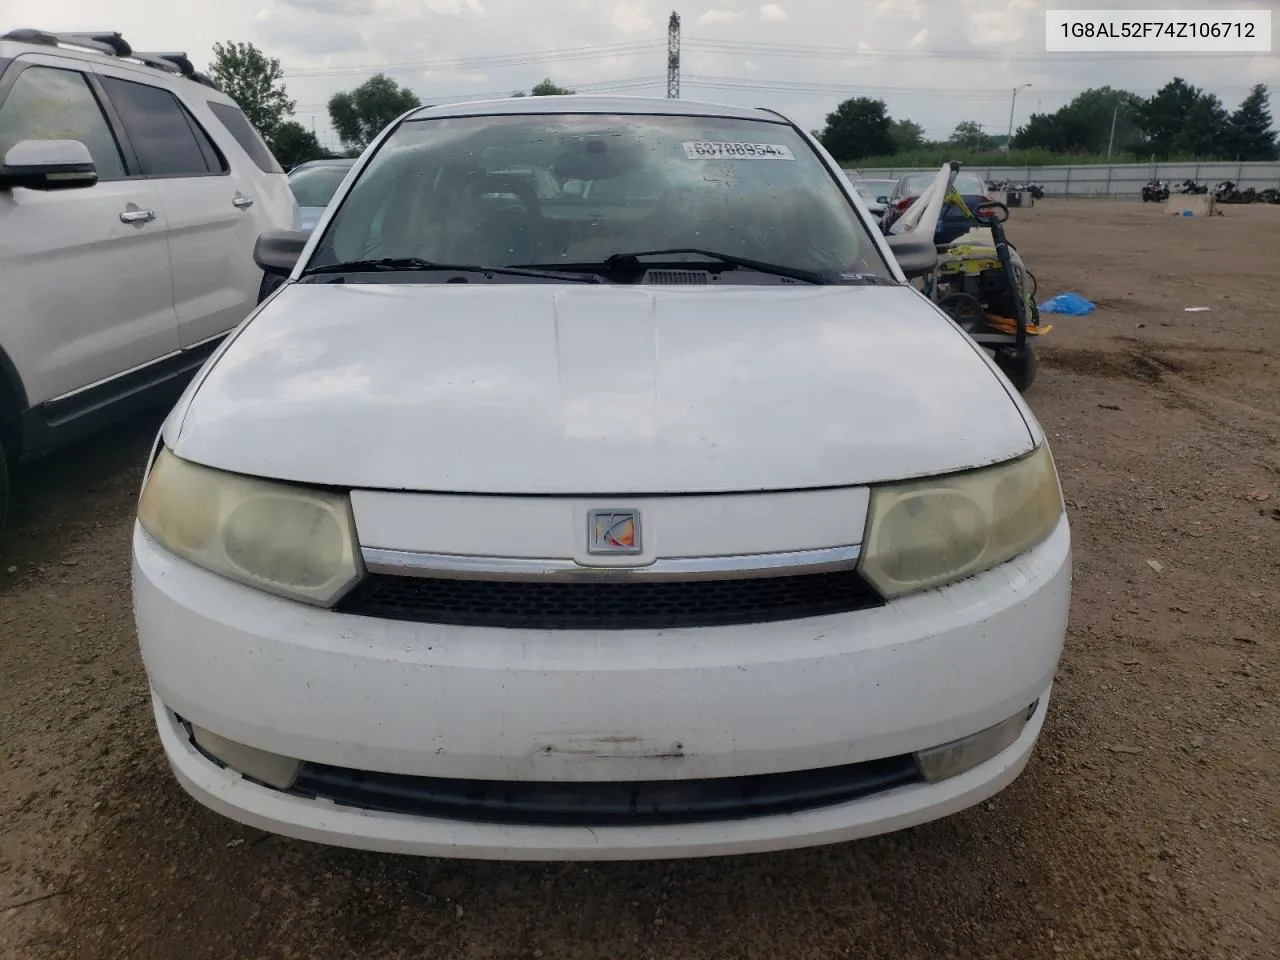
(405, 563)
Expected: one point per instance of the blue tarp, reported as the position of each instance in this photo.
(1072, 304)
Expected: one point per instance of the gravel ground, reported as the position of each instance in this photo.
(1146, 825)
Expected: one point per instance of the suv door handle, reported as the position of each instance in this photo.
(242, 203)
(137, 216)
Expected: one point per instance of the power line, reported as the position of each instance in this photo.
(816, 52)
(601, 86)
(472, 63)
(803, 86)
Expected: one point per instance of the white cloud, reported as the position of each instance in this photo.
(720, 16)
(630, 18)
(772, 13)
(337, 8)
(897, 8)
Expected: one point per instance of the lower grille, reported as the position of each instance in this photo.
(631, 605)
(599, 804)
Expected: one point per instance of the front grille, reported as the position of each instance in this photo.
(640, 803)
(630, 605)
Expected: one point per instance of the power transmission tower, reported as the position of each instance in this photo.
(673, 57)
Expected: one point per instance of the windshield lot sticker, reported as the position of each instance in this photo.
(717, 150)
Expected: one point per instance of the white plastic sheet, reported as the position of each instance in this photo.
(922, 217)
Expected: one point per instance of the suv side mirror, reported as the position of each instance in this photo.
(882, 199)
(916, 255)
(277, 251)
(48, 165)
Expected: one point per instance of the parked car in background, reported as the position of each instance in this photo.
(952, 223)
(128, 241)
(506, 528)
(875, 194)
(313, 184)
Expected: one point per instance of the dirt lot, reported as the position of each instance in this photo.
(1147, 824)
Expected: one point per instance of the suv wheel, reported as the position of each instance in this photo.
(4, 485)
(1020, 366)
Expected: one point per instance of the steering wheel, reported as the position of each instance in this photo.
(999, 213)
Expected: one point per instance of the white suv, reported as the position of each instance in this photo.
(131, 194)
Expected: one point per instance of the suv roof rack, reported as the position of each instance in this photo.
(112, 44)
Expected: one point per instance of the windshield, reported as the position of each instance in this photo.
(551, 190)
(966, 184)
(871, 189)
(315, 186)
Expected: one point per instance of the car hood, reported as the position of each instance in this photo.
(573, 389)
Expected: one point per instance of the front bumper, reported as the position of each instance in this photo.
(228, 794)
(485, 704)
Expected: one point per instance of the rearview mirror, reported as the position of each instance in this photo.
(916, 255)
(277, 251)
(48, 165)
(599, 158)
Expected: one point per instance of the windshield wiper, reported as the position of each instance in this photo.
(620, 262)
(632, 260)
(412, 264)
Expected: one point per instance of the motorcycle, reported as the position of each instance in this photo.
(1013, 186)
(1193, 187)
(1226, 192)
(1156, 191)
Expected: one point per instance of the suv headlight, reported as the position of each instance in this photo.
(925, 533)
(288, 540)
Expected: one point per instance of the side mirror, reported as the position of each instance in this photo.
(916, 255)
(882, 199)
(277, 251)
(48, 165)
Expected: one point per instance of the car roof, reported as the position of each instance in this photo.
(587, 103)
(15, 43)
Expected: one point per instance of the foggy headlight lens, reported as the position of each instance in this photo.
(291, 541)
(925, 533)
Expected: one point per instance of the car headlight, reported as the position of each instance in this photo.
(288, 540)
(925, 533)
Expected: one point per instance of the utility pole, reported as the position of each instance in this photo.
(673, 57)
(1012, 104)
(1112, 139)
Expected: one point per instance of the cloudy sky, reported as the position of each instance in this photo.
(935, 61)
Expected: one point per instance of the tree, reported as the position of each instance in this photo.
(292, 143)
(1163, 116)
(1206, 130)
(968, 133)
(858, 128)
(545, 88)
(1252, 137)
(254, 81)
(907, 135)
(361, 114)
(1084, 124)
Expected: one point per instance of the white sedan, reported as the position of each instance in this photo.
(652, 515)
